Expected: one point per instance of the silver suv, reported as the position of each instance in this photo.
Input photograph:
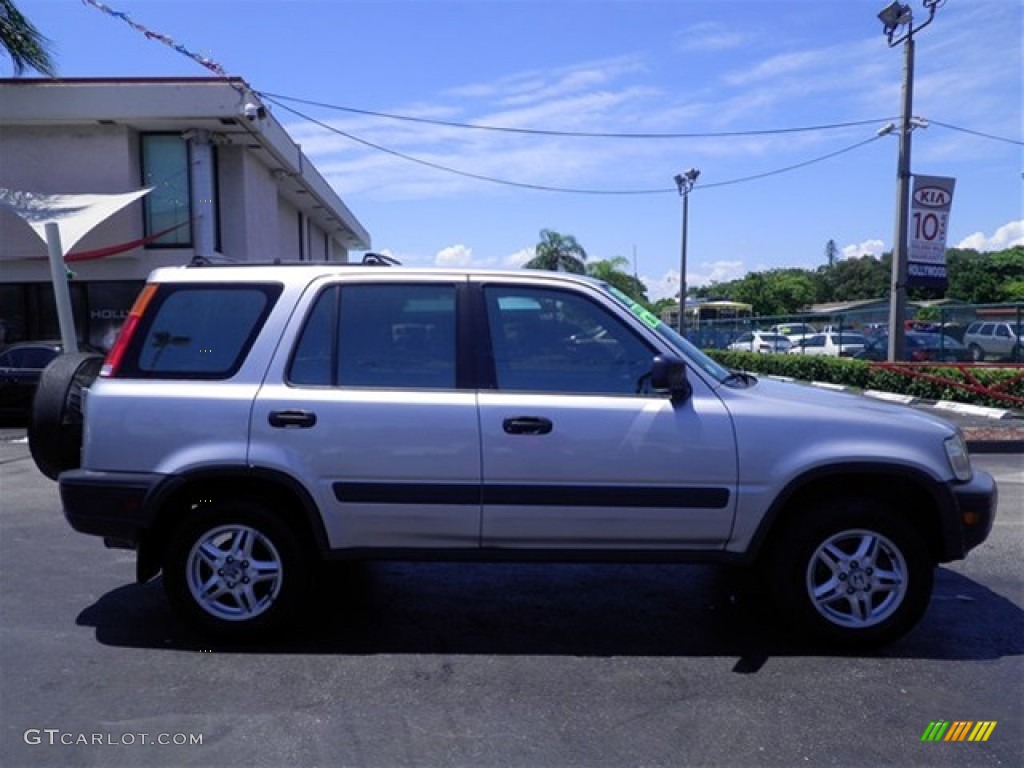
(252, 421)
(995, 340)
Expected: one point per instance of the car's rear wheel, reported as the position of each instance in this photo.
(977, 353)
(235, 569)
(853, 573)
(55, 424)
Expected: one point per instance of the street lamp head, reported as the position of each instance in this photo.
(894, 16)
(685, 180)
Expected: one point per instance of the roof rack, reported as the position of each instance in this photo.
(369, 259)
(380, 260)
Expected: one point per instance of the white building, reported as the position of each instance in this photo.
(228, 182)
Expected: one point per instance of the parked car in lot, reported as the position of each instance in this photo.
(761, 341)
(995, 340)
(21, 364)
(251, 421)
(795, 332)
(845, 344)
(919, 348)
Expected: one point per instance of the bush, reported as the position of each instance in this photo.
(929, 383)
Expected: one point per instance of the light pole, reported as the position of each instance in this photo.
(684, 181)
(895, 16)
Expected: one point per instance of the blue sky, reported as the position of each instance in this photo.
(604, 66)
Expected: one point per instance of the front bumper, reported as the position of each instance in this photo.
(976, 503)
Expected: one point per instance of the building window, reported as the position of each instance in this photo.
(167, 210)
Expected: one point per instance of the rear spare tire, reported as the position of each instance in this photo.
(55, 425)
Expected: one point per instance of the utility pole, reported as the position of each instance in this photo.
(684, 181)
(893, 17)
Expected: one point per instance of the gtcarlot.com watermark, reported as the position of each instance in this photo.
(55, 737)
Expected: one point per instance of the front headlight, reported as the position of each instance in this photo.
(959, 458)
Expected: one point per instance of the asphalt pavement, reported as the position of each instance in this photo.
(478, 665)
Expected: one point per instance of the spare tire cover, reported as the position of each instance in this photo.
(55, 425)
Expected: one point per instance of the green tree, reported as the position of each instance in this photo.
(986, 278)
(831, 252)
(558, 253)
(774, 292)
(856, 278)
(26, 46)
(612, 271)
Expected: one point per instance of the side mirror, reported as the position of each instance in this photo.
(668, 374)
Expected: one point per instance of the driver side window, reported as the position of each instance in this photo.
(546, 340)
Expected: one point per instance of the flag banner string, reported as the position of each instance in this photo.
(210, 64)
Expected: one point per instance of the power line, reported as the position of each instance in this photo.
(277, 98)
(788, 168)
(545, 188)
(977, 133)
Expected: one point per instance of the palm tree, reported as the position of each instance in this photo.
(613, 271)
(26, 46)
(558, 253)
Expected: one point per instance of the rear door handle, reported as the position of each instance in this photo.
(527, 425)
(292, 419)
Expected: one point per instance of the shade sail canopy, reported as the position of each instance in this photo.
(75, 215)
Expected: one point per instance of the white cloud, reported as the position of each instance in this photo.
(777, 66)
(1006, 236)
(454, 256)
(867, 248)
(716, 272)
(667, 286)
(664, 287)
(519, 258)
(708, 36)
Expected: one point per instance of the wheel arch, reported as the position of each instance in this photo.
(267, 487)
(926, 504)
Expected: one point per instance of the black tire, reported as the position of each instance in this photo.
(218, 547)
(977, 353)
(852, 573)
(55, 424)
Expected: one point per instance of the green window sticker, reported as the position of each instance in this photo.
(646, 315)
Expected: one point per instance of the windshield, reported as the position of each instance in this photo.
(685, 348)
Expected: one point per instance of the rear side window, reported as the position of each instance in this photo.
(198, 331)
(394, 336)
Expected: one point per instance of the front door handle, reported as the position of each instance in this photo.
(527, 425)
(292, 419)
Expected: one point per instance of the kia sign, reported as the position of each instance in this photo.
(929, 219)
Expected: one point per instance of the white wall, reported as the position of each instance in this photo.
(68, 160)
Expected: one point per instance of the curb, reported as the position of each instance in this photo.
(995, 446)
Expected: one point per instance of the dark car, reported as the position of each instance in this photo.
(920, 348)
(20, 367)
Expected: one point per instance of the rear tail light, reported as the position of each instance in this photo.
(116, 353)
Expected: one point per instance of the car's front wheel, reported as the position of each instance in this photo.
(236, 570)
(853, 573)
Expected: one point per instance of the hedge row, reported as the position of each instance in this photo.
(861, 374)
